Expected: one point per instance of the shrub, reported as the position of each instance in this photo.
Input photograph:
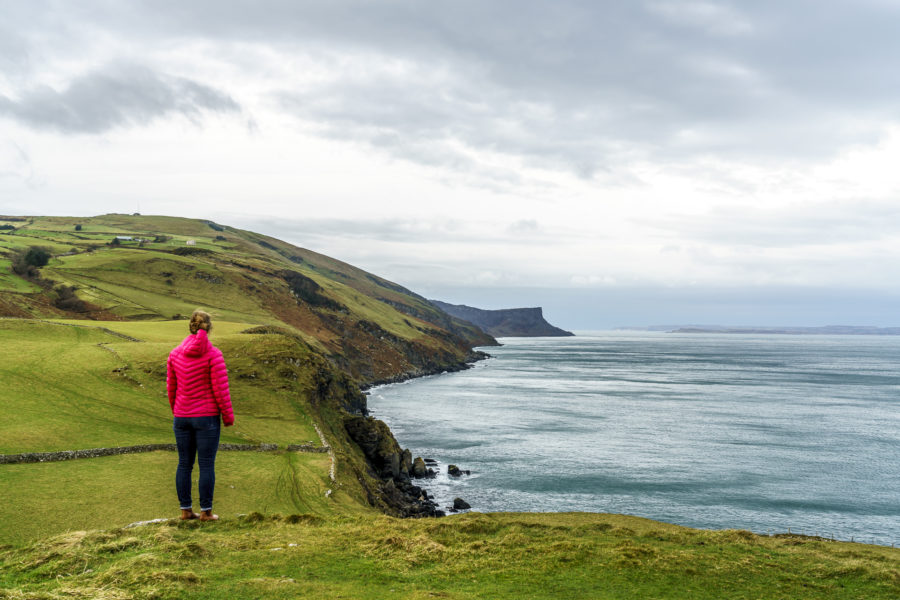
(78, 228)
(37, 256)
(191, 251)
(67, 300)
(27, 262)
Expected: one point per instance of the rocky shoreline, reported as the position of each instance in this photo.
(394, 466)
(473, 357)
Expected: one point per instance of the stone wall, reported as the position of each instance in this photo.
(33, 457)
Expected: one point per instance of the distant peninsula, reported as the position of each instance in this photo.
(825, 330)
(508, 322)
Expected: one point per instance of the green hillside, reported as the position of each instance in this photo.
(85, 327)
(161, 268)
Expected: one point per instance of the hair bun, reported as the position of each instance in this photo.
(200, 320)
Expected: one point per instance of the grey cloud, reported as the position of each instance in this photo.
(574, 84)
(588, 86)
(116, 96)
(716, 18)
(15, 163)
(408, 231)
(811, 225)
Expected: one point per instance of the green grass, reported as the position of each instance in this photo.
(112, 491)
(61, 391)
(10, 282)
(133, 282)
(471, 556)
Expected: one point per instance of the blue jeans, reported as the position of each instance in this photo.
(196, 436)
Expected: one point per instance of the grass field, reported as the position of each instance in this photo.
(70, 385)
(113, 491)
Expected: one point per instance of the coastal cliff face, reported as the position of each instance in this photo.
(509, 322)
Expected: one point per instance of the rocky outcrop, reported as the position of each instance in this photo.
(509, 322)
(393, 466)
(460, 504)
(455, 471)
(420, 469)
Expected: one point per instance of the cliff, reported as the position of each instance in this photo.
(509, 322)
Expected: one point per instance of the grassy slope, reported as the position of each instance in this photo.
(237, 275)
(573, 555)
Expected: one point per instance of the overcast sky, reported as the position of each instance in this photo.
(619, 162)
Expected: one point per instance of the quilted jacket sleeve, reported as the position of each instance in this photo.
(218, 375)
(171, 382)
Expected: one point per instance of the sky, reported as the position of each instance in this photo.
(632, 162)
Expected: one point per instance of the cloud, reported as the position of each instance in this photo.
(576, 86)
(459, 232)
(587, 88)
(115, 96)
(805, 225)
(716, 18)
(15, 163)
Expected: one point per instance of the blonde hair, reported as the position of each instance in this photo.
(200, 320)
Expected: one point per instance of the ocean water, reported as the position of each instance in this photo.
(759, 432)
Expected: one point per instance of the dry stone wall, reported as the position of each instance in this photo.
(34, 457)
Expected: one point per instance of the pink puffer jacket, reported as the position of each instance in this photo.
(197, 380)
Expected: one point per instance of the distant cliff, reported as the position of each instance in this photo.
(508, 322)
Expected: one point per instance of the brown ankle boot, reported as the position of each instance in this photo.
(206, 515)
(188, 514)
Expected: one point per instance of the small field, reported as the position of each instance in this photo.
(112, 491)
(74, 385)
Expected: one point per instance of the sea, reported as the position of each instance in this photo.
(769, 433)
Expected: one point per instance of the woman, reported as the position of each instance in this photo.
(197, 382)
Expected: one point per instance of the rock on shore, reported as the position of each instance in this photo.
(393, 466)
